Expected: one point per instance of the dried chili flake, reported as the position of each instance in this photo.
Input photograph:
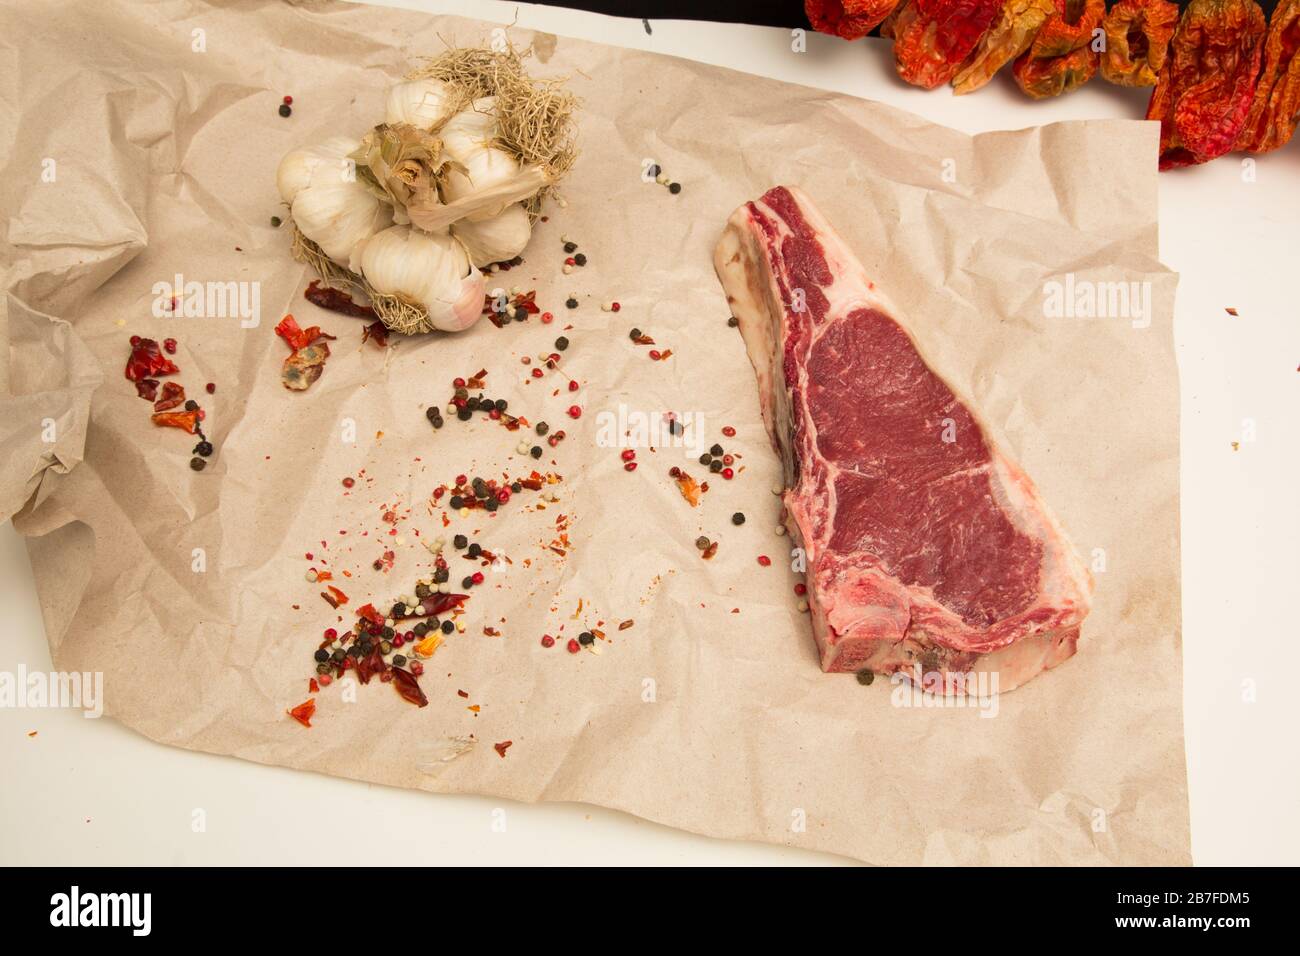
(375, 332)
(1208, 81)
(406, 684)
(304, 712)
(147, 388)
(336, 300)
(643, 339)
(304, 366)
(187, 420)
(1061, 57)
(502, 747)
(148, 361)
(334, 596)
(1137, 41)
(368, 612)
(690, 489)
(298, 338)
(172, 395)
(932, 38)
(1010, 35)
(848, 19)
(1275, 108)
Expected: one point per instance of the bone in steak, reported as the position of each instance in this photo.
(926, 549)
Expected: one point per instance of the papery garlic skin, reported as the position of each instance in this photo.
(430, 271)
(498, 239)
(426, 103)
(328, 205)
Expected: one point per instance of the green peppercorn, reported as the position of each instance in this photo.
(385, 647)
(322, 668)
(865, 677)
(198, 464)
(399, 660)
(542, 428)
(422, 591)
(467, 584)
(702, 542)
(420, 629)
(388, 633)
(491, 504)
(275, 222)
(501, 404)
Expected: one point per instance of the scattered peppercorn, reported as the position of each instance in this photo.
(716, 450)
(702, 542)
(570, 246)
(475, 550)
(275, 222)
(211, 388)
(738, 518)
(467, 583)
(460, 542)
(733, 322)
(456, 502)
(866, 676)
(674, 188)
(349, 482)
(571, 302)
(561, 343)
(536, 451)
(542, 428)
(285, 109)
(586, 637)
(580, 259)
(198, 464)
(203, 448)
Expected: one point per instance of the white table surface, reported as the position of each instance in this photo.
(93, 792)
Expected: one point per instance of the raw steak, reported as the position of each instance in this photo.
(926, 549)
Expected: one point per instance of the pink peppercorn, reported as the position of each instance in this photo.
(548, 641)
(729, 431)
(728, 460)
(630, 466)
(801, 589)
(573, 646)
(169, 346)
(458, 383)
(628, 454)
(764, 560)
(575, 411)
(398, 640)
(417, 668)
(614, 307)
(728, 474)
(654, 355)
(135, 340)
(547, 318)
(573, 386)
(477, 577)
(211, 387)
(537, 373)
(503, 495)
(288, 100)
(330, 634)
(324, 680)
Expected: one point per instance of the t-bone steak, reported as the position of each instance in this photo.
(926, 549)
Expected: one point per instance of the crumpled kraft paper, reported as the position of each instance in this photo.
(708, 713)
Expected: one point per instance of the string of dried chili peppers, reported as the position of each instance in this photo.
(1208, 81)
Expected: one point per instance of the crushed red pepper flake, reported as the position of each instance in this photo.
(304, 712)
(502, 747)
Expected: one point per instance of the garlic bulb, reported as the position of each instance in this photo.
(327, 203)
(429, 271)
(425, 103)
(497, 239)
(472, 128)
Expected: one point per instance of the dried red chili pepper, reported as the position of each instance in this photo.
(1208, 81)
(370, 665)
(1012, 32)
(147, 388)
(298, 338)
(409, 687)
(1275, 109)
(148, 361)
(370, 614)
(1137, 40)
(436, 604)
(304, 712)
(336, 300)
(932, 38)
(849, 19)
(172, 395)
(376, 332)
(1062, 56)
(505, 745)
(187, 421)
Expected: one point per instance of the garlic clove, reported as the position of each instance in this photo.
(426, 103)
(337, 214)
(299, 166)
(430, 270)
(502, 237)
(471, 129)
(482, 203)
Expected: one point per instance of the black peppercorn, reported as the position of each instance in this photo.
(738, 518)
(580, 259)
(675, 188)
(191, 406)
(561, 343)
(198, 464)
(399, 610)
(464, 414)
(285, 109)
(570, 246)
(542, 428)
(467, 583)
(460, 542)
(571, 303)
(501, 404)
(475, 550)
(432, 413)
(457, 502)
(733, 321)
(448, 627)
(715, 466)
(440, 576)
(715, 451)
(322, 656)
(586, 637)
(535, 451)
(203, 448)
(706, 458)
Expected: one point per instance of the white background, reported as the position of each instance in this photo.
(85, 791)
